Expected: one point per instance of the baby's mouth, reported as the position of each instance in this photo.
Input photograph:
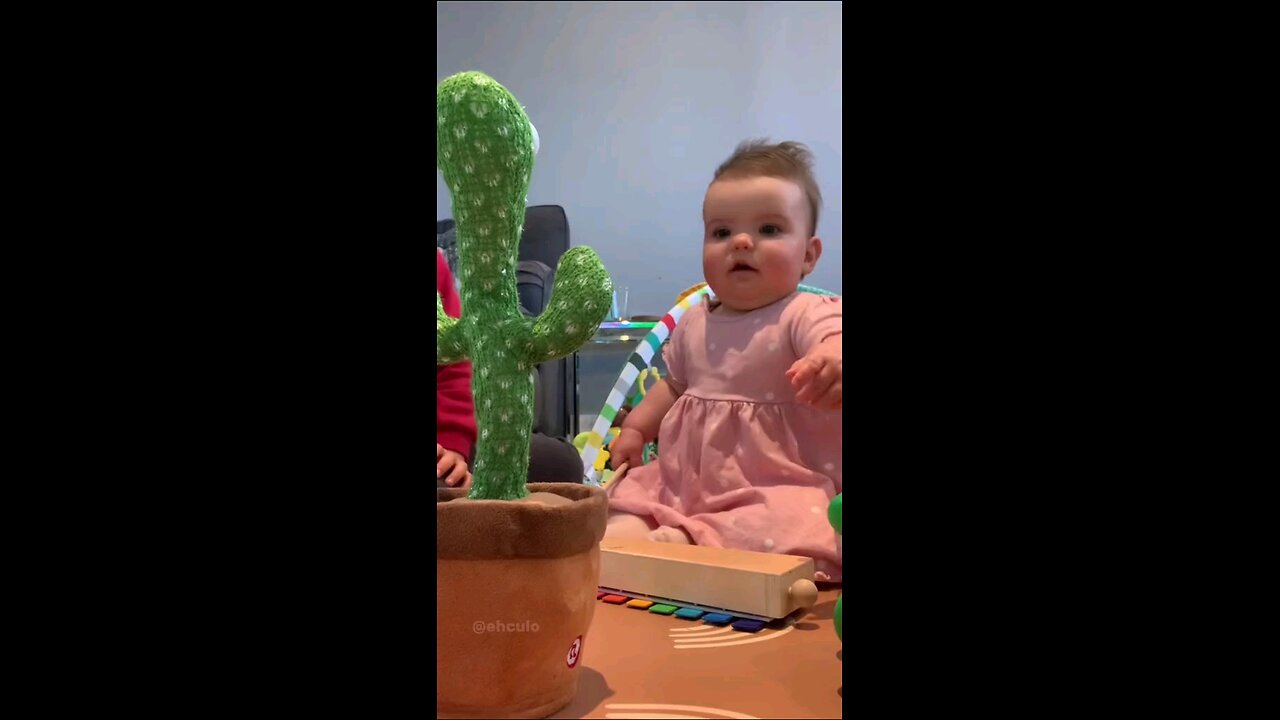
(741, 267)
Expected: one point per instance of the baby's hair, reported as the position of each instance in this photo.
(787, 160)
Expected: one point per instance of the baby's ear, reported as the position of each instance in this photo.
(812, 251)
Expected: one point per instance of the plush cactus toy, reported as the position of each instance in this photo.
(835, 515)
(485, 149)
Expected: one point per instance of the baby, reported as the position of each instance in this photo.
(749, 416)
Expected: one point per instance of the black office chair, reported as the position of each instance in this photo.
(544, 240)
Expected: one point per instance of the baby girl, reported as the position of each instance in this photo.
(749, 416)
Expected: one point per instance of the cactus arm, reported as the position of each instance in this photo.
(579, 301)
(451, 344)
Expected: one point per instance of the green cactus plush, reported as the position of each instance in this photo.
(835, 515)
(484, 149)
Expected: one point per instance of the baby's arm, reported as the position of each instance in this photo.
(642, 425)
(818, 377)
(818, 336)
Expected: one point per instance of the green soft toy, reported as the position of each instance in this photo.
(835, 515)
(485, 146)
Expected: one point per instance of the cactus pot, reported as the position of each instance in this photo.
(515, 595)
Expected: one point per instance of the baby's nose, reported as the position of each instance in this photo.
(742, 240)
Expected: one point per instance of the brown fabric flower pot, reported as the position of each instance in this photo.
(516, 584)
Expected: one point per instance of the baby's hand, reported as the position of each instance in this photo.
(451, 467)
(627, 448)
(818, 377)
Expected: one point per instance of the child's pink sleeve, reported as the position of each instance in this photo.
(818, 319)
(673, 357)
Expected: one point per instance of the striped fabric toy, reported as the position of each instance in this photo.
(639, 360)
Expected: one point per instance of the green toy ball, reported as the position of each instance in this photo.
(835, 515)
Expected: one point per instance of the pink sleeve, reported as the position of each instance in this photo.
(817, 320)
(673, 357)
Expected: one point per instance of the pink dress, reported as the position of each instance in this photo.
(740, 463)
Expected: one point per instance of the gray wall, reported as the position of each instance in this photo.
(637, 103)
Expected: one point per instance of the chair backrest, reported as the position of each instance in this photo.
(546, 234)
(544, 239)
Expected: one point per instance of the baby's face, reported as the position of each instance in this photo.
(756, 245)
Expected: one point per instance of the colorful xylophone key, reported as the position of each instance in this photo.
(688, 613)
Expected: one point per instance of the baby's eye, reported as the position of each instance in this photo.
(720, 233)
(770, 230)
